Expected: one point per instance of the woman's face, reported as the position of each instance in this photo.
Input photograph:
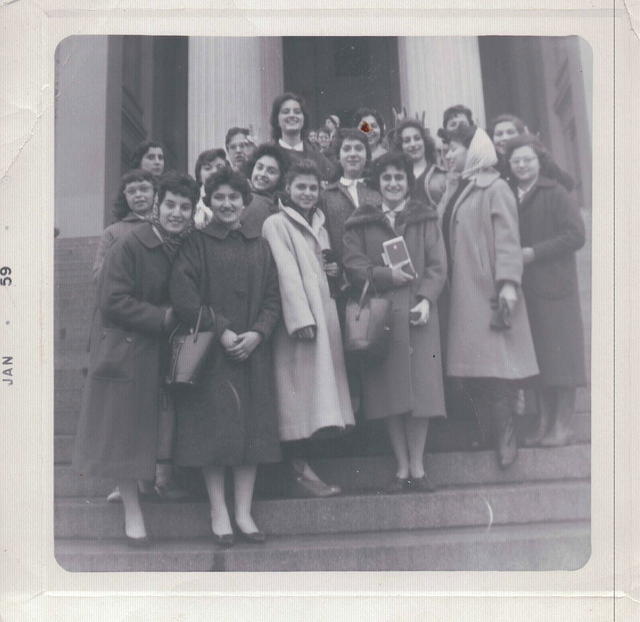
(457, 120)
(304, 191)
(313, 137)
(353, 157)
(394, 185)
(290, 117)
(153, 161)
(456, 156)
(370, 127)
(266, 173)
(227, 205)
(139, 196)
(330, 124)
(412, 143)
(209, 168)
(324, 139)
(525, 164)
(175, 212)
(502, 132)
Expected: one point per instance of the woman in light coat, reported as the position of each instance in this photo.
(489, 342)
(311, 381)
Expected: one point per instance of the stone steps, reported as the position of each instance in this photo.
(560, 546)
(370, 473)
(503, 504)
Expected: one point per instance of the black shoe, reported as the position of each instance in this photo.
(225, 541)
(139, 543)
(397, 484)
(422, 484)
(255, 537)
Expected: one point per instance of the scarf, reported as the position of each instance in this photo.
(480, 155)
(171, 242)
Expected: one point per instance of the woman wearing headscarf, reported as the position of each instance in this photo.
(118, 432)
(489, 342)
(229, 418)
(551, 231)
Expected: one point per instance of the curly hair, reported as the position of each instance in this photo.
(267, 149)
(276, 131)
(230, 177)
(120, 206)
(397, 159)
(141, 149)
(209, 156)
(429, 144)
(454, 111)
(361, 113)
(350, 133)
(178, 183)
(463, 134)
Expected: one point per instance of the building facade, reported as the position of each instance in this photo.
(114, 91)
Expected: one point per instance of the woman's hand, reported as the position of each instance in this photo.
(331, 269)
(244, 345)
(528, 255)
(228, 339)
(423, 309)
(509, 295)
(399, 276)
(306, 333)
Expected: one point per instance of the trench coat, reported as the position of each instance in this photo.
(311, 382)
(118, 427)
(485, 252)
(551, 224)
(409, 379)
(229, 417)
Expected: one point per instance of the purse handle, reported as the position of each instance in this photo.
(365, 289)
(198, 321)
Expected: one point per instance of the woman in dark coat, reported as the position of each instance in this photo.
(229, 418)
(117, 433)
(289, 125)
(266, 171)
(551, 231)
(406, 387)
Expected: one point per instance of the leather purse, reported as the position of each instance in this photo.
(188, 352)
(368, 325)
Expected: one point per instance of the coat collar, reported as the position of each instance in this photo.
(415, 212)
(484, 178)
(542, 182)
(296, 217)
(147, 236)
(248, 229)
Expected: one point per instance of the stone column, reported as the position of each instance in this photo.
(438, 72)
(232, 81)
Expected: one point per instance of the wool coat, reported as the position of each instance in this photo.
(485, 252)
(229, 417)
(260, 208)
(409, 379)
(118, 426)
(328, 169)
(551, 224)
(311, 383)
(430, 185)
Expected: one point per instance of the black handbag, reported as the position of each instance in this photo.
(189, 351)
(368, 325)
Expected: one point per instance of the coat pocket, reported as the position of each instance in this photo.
(114, 355)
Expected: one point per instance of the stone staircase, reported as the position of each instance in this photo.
(533, 516)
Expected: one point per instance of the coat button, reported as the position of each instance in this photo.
(128, 339)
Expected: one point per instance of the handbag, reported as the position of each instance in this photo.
(188, 352)
(368, 324)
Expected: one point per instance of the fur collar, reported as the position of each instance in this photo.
(414, 212)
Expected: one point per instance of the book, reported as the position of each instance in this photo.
(396, 254)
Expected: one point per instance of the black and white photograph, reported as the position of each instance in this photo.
(322, 303)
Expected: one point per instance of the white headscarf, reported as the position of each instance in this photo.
(480, 155)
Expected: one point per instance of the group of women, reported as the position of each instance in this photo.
(267, 260)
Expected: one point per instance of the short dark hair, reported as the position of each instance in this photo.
(394, 158)
(519, 124)
(276, 132)
(303, 167)
(351, 133)
(323, 130)
(231, 132)
(429, 143)
(120, 206)
(141, 149)
(463, 134)
(361, 113)
(454, 111)
(209, 156)
(226, 176)
(178, 183)
(267, 149)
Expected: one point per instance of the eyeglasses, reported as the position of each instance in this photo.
(516, 161)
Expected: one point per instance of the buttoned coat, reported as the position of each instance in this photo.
(409, 379)
(485, 252)
(551, 224)
(311, 381)
(229, 417)
(117, 431)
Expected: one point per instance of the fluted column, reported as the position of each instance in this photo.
(438, 72)
(232, 81)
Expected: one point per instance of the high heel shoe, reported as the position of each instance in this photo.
(255, 537)
(138, 543)
(305, 487)
(226, 540)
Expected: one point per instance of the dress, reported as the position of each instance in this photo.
(229, 417)
(118, 427)
(311, 381)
